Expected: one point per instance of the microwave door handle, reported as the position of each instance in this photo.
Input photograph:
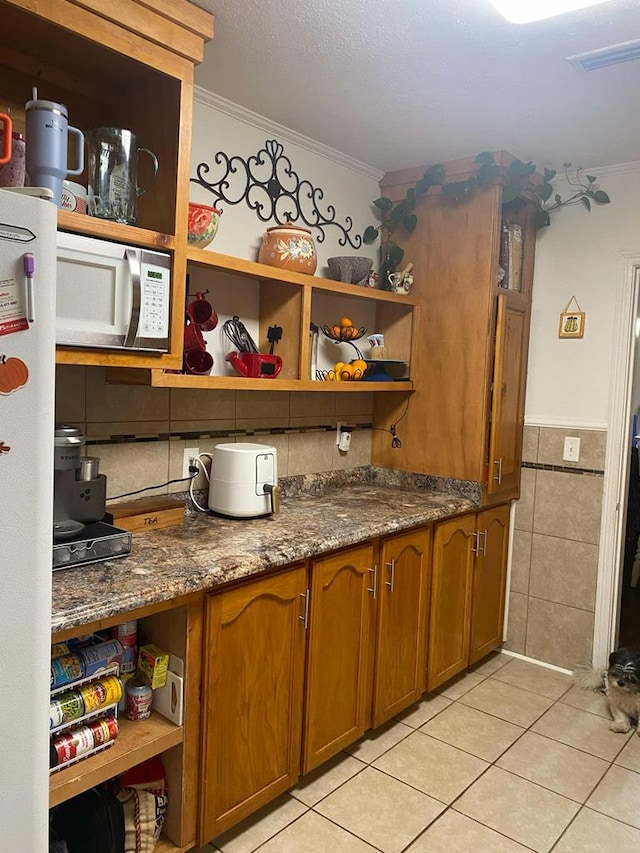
(133, 261)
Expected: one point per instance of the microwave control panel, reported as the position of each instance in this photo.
(154, 302)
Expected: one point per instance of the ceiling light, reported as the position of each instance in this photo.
(526, 11)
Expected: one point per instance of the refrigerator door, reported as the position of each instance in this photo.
(27, 376)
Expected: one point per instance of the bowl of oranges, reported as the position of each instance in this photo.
(344, 331)
(351, 371)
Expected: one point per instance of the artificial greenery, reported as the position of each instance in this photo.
(519, 181)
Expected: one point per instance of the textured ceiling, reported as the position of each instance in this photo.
(399, 83)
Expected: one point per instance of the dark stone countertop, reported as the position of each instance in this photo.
(319, 514)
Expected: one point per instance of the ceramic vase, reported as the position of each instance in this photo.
(289, 247)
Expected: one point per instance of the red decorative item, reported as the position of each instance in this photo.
(14, 373)
(202, 224)
(4, 448)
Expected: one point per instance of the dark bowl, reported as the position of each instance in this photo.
(351, 269)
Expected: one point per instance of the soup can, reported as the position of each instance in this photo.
(126, 632)
(65, 708)
(139, 698)
(99, 694)
(66, 669)
(100, 656)
(70, 745)
(129, 659)
(104, 730)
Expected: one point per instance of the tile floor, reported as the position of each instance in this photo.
(506, 758)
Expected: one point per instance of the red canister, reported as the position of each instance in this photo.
(104, 730)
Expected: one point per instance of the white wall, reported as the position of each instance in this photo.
(579, 254)
(348, 185)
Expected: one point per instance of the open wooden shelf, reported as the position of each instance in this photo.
(92, 226)
(239, 383)
(251, 269)
(136, 742)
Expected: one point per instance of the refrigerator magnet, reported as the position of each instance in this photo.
(14, 374)
(13, 317)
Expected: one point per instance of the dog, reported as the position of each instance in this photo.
(620, 683)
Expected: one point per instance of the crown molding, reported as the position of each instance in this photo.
(617, 169)
(216, 102)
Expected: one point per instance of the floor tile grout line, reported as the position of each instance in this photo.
(344, 829)
(611, 817)
(472, 754)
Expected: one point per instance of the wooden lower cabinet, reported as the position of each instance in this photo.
(252, 701)
(401, 637)
(340, 654)
(468, 588)
(489, 582)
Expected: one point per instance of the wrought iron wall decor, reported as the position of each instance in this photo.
(267, 182)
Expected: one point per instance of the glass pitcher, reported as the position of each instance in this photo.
(113, 189)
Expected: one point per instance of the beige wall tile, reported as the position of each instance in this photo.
(358, 403)
(188, 404)
(530, 444)
(310, 452)
(524, 507)
(131, 466)
(521, 561)
(558, 634)
(123, 403)
(70, 394)
(358, 454)
(563, 571)
(312, 404)
(517, 625)
(264, 405)
(568, 505)
(592, 447)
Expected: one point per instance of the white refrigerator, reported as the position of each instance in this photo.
(27, 376)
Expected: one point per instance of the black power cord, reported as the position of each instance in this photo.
(193, 472)
(392, 429)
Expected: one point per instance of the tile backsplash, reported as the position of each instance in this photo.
(555, 547)
(139, 432)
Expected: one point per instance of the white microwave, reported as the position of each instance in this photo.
(111, 296)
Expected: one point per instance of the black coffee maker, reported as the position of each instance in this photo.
(79, 491)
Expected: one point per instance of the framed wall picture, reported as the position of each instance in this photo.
(571, 324)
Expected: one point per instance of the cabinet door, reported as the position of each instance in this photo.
(401, 641)
(450, 599)
(505, 438)
(339, 679)
(254, 672)
(489, 581)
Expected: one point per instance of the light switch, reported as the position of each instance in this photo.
(571, 449)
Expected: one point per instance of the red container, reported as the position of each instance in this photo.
(255, 365)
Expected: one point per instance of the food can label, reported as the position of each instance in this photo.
(127, 632)
(139, 702)
(66, 669)
(129, 659)
(104, 730)
(73, 744)
(107, 691)
(65, 709)
(100, 656)
(59, 649)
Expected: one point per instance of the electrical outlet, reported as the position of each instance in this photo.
(571, 449)
(189, 454)
(339, 426)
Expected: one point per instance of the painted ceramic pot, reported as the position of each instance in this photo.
(289, 247)
(202, 225)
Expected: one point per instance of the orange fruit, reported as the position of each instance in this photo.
(345, 322)
(359, 364)
(346, 372)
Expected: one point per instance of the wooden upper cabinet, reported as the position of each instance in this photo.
(489, 582)
(252, 697)
(451, 589)
(505, 435)
(448, 427)
(404, 587)
(340, 654)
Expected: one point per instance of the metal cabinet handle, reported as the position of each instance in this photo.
(305, 615)
(135, 273)
(498, 476)
(392, 583)
(476, 536)
(372, 589)
(482, 549)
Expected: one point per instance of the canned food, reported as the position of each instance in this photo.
(139, 698)
(129, 659)
(59, 649)
(122, 704)
(65, 708)
(66, 669)
(104, 730)
(70, 745)
(126, 632)
(98, 694)
(101, 656)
